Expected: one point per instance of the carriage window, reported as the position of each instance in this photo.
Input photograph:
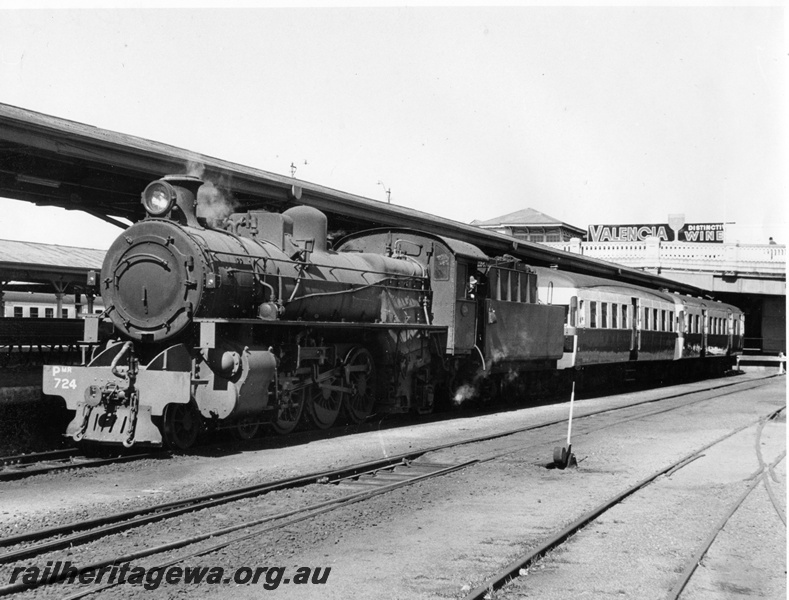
(441, 263)
(581, 313)
(614, 316)
(573, 311)
(34, 312)
(49, 313)
(64, 313)
(515, 286)
(19, 312)
(604, 315)
(645, 324)
(662, 320)
(655, 322)
(592, 314)
(471, 287)
(625, 320)
(696, 324)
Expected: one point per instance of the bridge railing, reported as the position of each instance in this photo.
(765, 259)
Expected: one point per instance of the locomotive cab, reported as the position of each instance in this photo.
(449, 264)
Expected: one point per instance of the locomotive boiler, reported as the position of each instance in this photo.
(255, 322)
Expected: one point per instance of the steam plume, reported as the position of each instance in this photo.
(214, 200)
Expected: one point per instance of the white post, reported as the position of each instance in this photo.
(570, 422)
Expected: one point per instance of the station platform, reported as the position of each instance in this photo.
(762, 362)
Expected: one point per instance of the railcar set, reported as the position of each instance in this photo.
(261, 322)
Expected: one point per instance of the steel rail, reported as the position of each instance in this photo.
(512, 570)
(21, 471)
(693, 562)
(768, 473)
(776, 505)
(116, 522)
(299, 514)
(25, 459)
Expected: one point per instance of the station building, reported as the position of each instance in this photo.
(531, 225)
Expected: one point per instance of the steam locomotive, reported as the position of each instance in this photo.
(260, 322)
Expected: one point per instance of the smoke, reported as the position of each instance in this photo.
(214, 204)
(215, 201)
(463, 393)
(195, 169)
(471, 390)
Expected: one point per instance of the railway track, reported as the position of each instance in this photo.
(354, 483)
(68, 459)
(520, 565)
(763, 475)
(38, 463)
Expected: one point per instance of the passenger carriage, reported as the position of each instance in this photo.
(609, 323)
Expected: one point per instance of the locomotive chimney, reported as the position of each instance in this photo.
(173, 197)
(187, 186)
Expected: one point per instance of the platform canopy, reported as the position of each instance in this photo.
(56, 162)
(46, 268)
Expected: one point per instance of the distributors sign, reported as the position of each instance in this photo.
(710, 233)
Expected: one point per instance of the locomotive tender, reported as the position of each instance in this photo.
(261, 322)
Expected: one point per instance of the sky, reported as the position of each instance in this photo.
(593, 115)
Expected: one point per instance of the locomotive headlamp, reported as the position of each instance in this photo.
(158, 198)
